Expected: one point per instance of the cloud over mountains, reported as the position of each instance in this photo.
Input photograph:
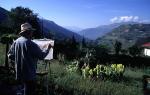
(125, 19)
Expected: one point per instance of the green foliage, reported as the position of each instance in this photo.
(69, 47)
(7, 38)
(124, 51)
(74, 48)
(84, 45)
(135, 50)
(20, 15)
(74, 84)
(117, 47)
(2, 57)
(5, 30)
(101, 53)
(113, 72)
(73, 67)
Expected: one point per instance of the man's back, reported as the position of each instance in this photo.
(26, 64)
(25, 53)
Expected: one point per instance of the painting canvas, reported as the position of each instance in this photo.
(43, 44)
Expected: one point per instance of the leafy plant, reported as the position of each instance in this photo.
(113, 72)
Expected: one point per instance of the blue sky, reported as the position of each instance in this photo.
(86, 13)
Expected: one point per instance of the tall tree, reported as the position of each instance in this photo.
(84, 43)
(117, 47)
(21, 15)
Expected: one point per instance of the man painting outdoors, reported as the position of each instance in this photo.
(25, 54)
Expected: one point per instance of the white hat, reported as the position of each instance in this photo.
(25, 27)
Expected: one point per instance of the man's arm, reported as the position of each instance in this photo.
(11, 55)
(37, 52)
(11, 52)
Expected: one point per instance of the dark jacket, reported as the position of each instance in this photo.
(25, 54)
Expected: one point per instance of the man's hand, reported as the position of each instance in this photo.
(49, 46)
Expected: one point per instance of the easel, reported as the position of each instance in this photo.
(44, 75)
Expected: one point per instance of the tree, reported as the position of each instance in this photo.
(84, 43)
(117, 47)
(74, 48)
(101, 53)
(20, 15)
(5, 30)
(124, 51)
(7, 39)
(134, 50)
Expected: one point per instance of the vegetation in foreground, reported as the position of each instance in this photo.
(65, 83)
(2, 54)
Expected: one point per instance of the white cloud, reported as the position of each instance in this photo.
(114, 19)
(124, 19)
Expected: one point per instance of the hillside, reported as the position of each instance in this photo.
(73, 28)
(94, 33)
(3, 15)
(59, 32)
(128, 35)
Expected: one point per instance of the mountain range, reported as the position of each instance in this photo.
(127, 34)
(49, 27)
(73, 28)
(94, 33)
(58, 31)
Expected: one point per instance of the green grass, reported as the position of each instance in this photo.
(76, 85)
(2, 54)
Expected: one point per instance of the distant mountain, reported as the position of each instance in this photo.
(94, 33)
(59, 32)
(128, 35)
(73, 28)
